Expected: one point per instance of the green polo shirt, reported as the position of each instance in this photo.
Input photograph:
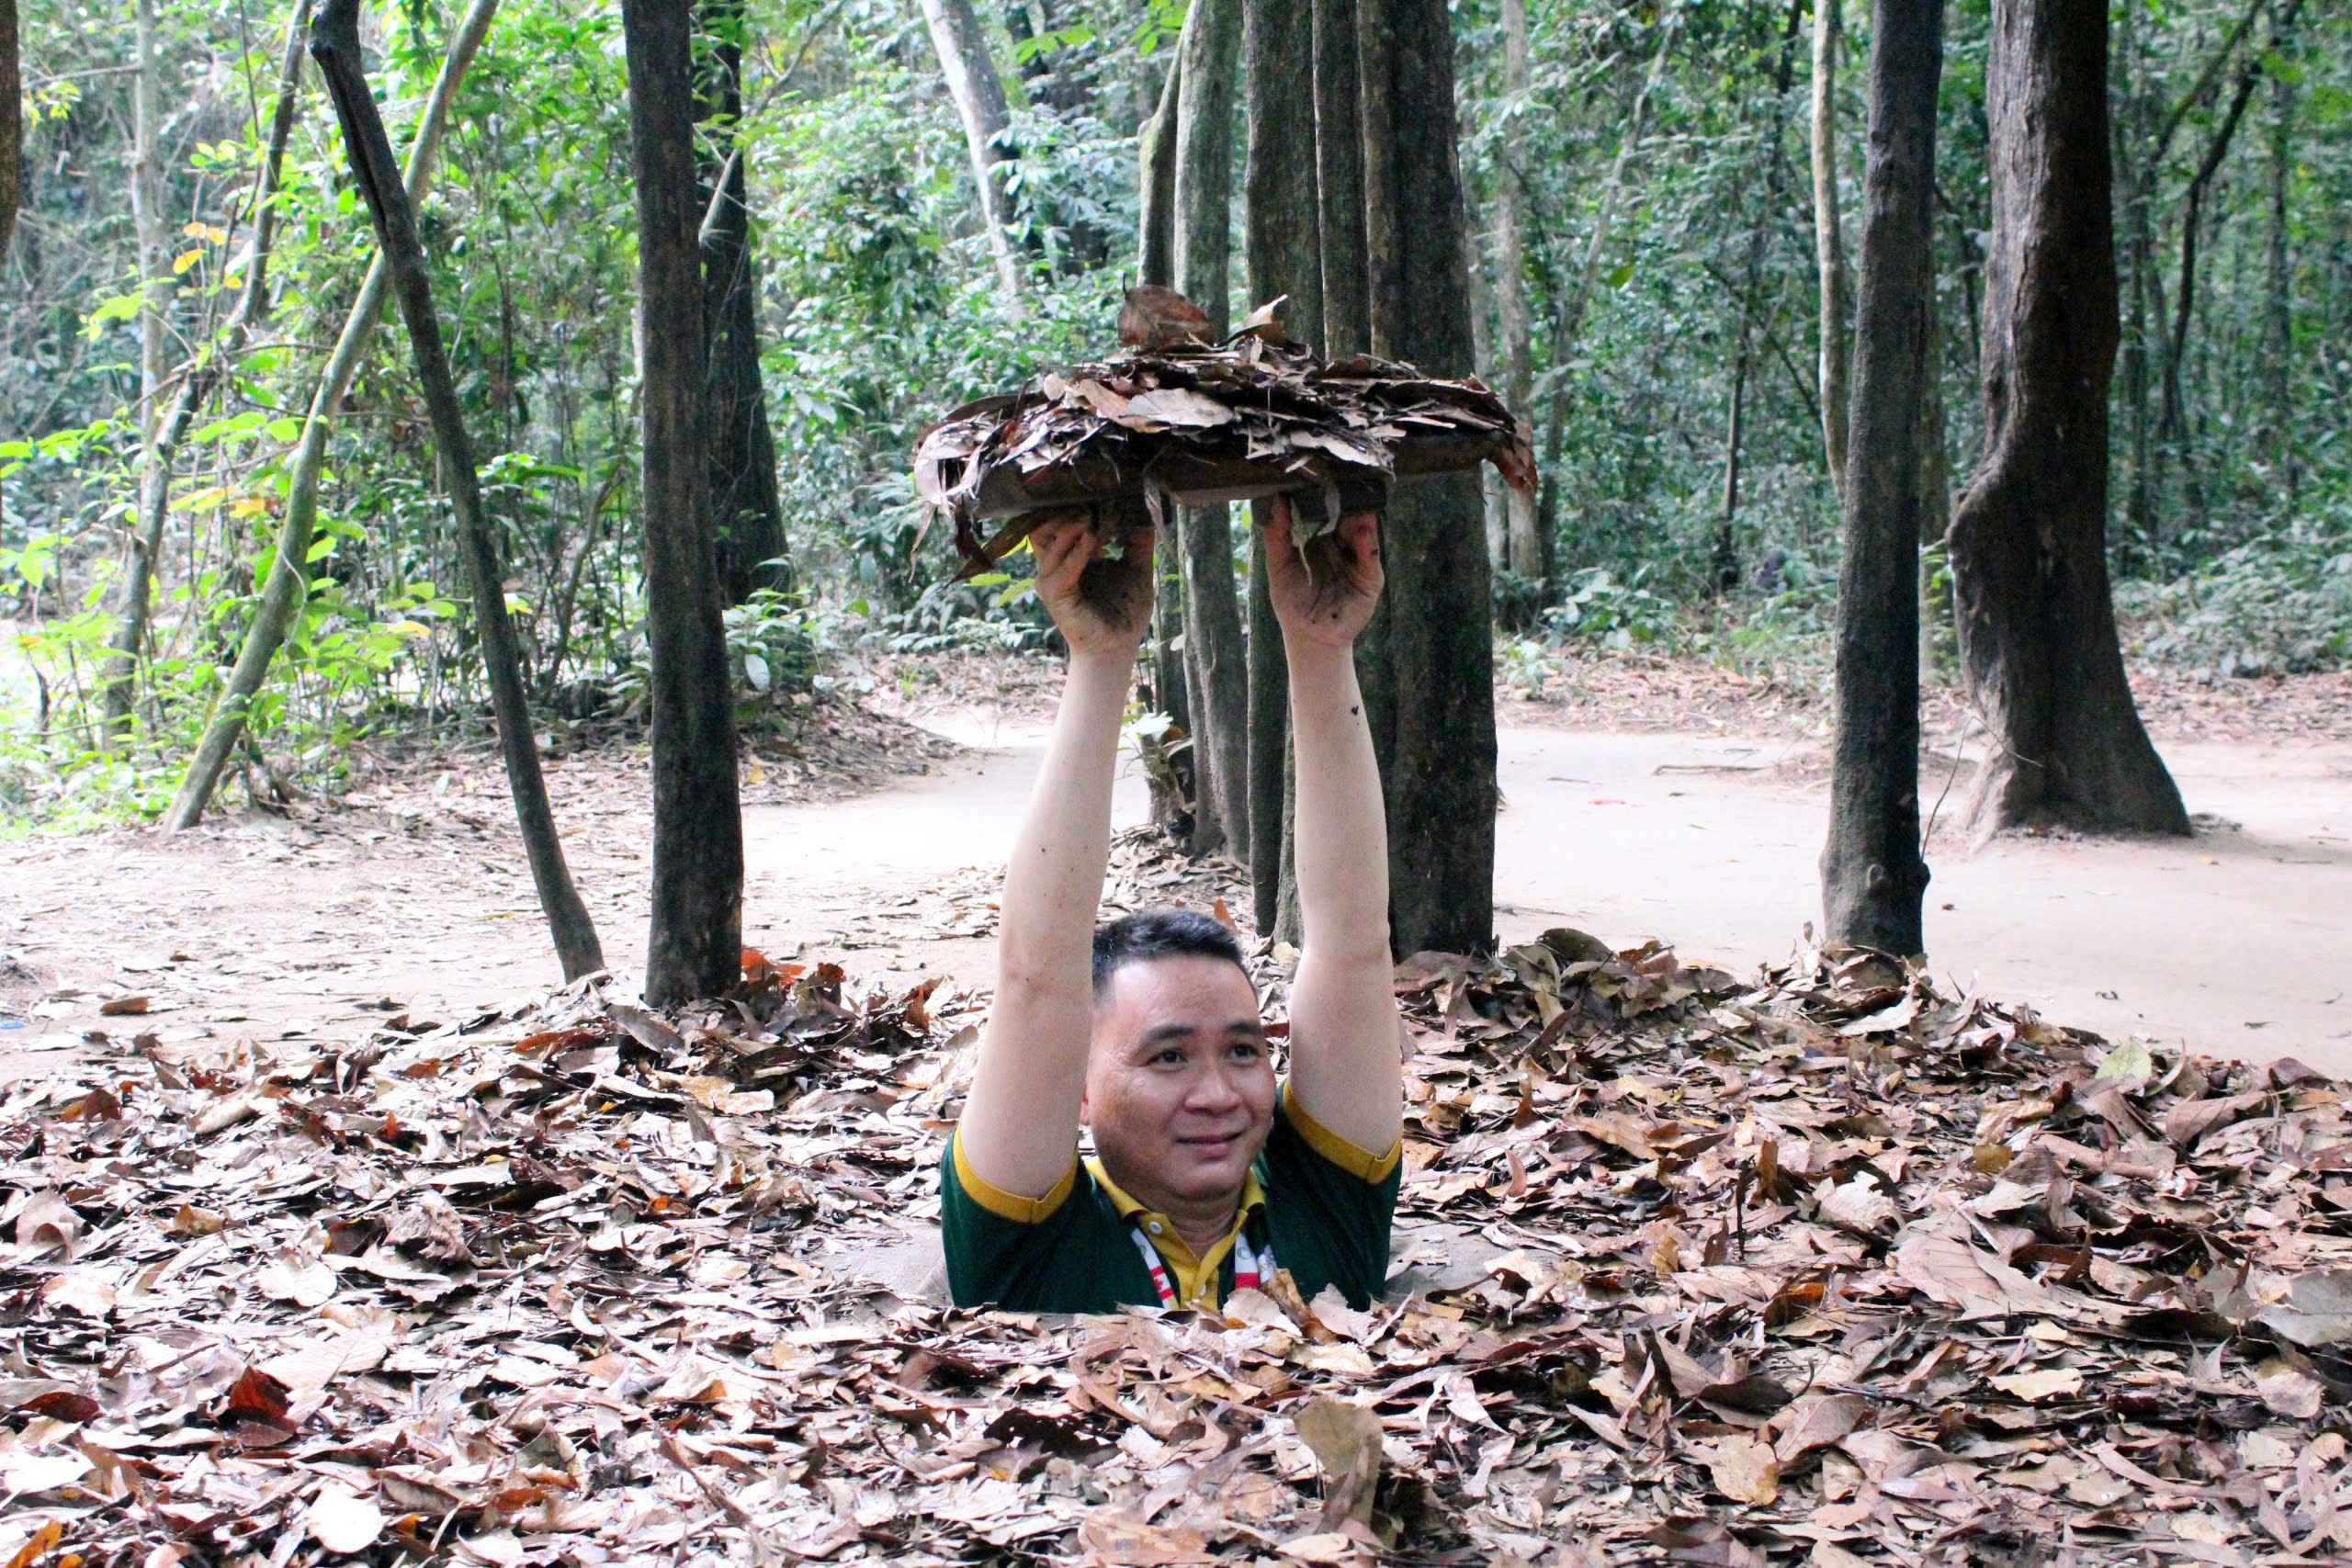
(1321, 1204)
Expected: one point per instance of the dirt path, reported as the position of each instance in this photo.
(2239, 942)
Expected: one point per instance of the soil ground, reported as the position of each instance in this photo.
(1642, 799)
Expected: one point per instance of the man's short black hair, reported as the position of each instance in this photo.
(1162, 933)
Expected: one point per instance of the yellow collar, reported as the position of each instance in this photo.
(1196, 1276)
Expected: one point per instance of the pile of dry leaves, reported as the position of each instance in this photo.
(1186, 421)
(1826, 1267)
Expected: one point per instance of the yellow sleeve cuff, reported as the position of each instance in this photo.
(1359, 1163)
(1011, 1205)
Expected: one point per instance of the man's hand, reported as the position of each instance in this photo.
(1331, 602)
(1103, 607)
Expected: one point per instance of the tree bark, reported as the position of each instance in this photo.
(2037, 626)
(2279, 295)
(1569, 320)
(200, 375)
(1872, 876)
(12, 125)
(747, 511)
(286, 586)
(155, 287)
(1829, 240)
(334, 44)
(695, 945)
(1530, 548)
(1215, 651)
(1335, 176)
(1428, 656)
(1156, 158)
(1283, 245)
(978, 92)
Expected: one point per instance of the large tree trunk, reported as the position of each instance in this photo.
(1429, 657)
(2029, 539)
(1215, 652)
(286, 586)
(1334, 179)
(203, 373)
(12, 126)
(695, 945)
(1872, 878)
(746, 512)
(1829, 239)
(155, 287)
(334, 44)
(978, 92)
(1529, 551)
(1283, 245)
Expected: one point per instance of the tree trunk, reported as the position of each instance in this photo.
(2029, 539)
(978, 92)
(2279, 301)
(1569, 318)
(1428, 656)
(746, 512)
(202, 375)
(1530, 551)
(1872, 878)
(334, 44)
(1283, 249)
(1334, 178)
(2134, 173)
(1215, 651)
(286, 587)
(12, 126)
(1156, 158)
(1177, 787)
(695, 945)
(1751, 292)
(155, 287)
(1829, 240)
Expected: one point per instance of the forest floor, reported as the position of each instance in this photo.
(1642, 797)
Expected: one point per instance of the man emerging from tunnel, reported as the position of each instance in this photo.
(1209, 1171)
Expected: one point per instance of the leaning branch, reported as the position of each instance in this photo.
(286, 587)
(334, 44)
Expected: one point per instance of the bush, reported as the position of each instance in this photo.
(2278, 604)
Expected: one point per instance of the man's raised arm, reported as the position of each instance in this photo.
(1345, 1069)
(1019, 1131)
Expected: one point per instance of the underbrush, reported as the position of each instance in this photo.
(2280, 604)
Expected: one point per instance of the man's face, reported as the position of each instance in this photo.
(1180, 1085)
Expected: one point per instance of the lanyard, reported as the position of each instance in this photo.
(1251, 1267)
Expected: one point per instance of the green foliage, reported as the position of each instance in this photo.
(1600, 609)
(2279, 604)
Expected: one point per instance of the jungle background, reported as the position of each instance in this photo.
(1672, 375)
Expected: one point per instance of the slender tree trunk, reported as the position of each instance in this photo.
(1428, 658)
(1750, 302)
(2279, 301)
(2133, 175)
(2029, 539)
(1156, 157)
(334, 44)
(2173, 424)
(1214, 649)
(1872, 878)
(747, 511)
(978, 92)
(286, 586)
(694, 946)
(200, 377)
(1283, 249)
(155, 288)
(1173, 791)
(1569, 321)
(12, 126)
(1530, 551)
(1829, 240)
